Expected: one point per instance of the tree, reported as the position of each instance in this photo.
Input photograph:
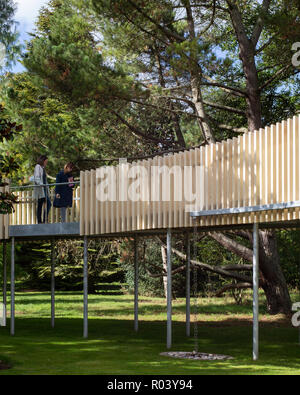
(207, 62)
(8, 163)
(8, 35)
(8, 52)
(249, 32)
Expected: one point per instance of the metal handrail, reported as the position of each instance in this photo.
(32, 186)
(43, 185)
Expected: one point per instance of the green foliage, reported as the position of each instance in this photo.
(8, 163)
(35, 261)
(8, 34)
(289, 251)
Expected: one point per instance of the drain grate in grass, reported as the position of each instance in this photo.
(196, 356)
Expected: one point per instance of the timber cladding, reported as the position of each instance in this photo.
(253, 169)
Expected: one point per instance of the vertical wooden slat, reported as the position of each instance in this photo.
(97, 213)
(284, 164)
(261, 148)
(193, 163)
(278, 166)
(128, 203)
(181, 203)
(184, 160)
(82, 203)
(267, 171)
(92, 199)
(199, 152)
(148, 204)
(234, 174)
(154, 182)
(139, 191)
(113, 206)
(218, 180)
(145, 195)
(251, 171)
(240, 175)
(87, 202)
(272, 169)
(161, 189)
(245, 199)
(291, 170)
(228, 202)
(107, 210)
(176, 190)
(133, 207)
(223, 189)
(296, 162)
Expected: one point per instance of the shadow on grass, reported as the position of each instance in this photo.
(114, 348)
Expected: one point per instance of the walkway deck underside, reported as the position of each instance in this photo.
(45, 230)
(71, 230)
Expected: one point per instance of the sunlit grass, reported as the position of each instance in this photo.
(114, 348)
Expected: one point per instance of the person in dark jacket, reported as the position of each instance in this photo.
(64, 193)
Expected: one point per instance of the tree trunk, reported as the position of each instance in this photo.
(273, 281)
(196, 79)
(247, 56)
(274, 284)
(200, 110)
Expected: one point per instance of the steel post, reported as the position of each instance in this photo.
(169, 289)
(255, 292)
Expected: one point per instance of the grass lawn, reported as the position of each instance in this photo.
(114, 348)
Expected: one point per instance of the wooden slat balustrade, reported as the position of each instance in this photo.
(254, 169)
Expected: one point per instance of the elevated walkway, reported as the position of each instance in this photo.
(41, 231)
(248, 182)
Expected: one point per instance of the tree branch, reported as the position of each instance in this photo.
(233, 129)
(166, 31)
(235, 91)
(232, 246)
(277, 74)
(207, 267)
(211, 20)
(225, 108)
(137, 132)
(260, 23)
(259, 50)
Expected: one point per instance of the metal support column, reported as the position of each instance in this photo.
(136, 286)
(169, 289)
(188, 285)
(85, 288)
(4, 283)
(255, 292)
(12, 288)
(52, 284)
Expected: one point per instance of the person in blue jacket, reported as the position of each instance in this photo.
(64, 193)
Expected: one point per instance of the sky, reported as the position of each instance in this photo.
(26, 14)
